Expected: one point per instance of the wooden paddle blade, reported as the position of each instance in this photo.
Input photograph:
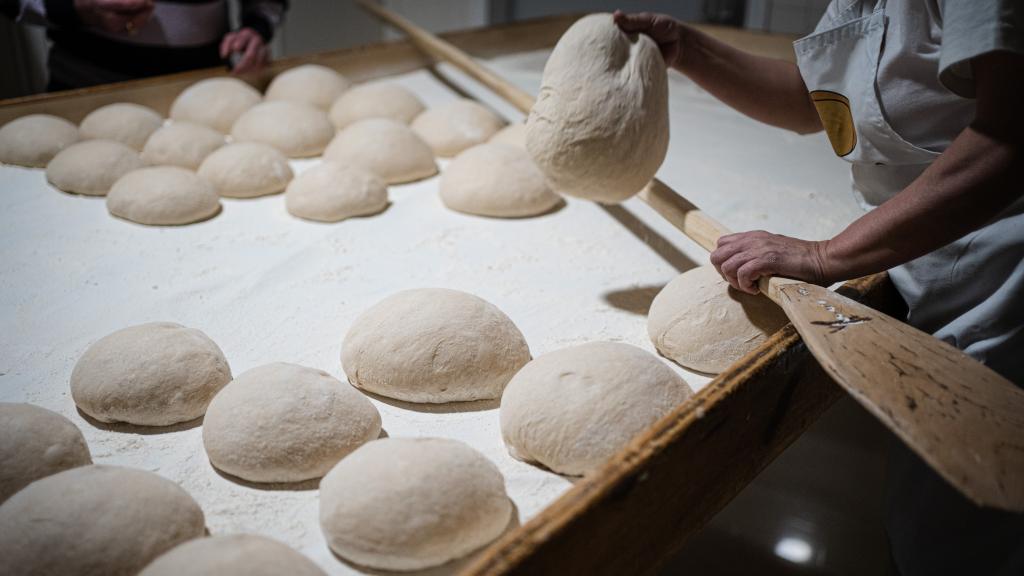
(965, 420)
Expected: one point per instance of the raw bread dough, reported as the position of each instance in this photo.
(35, 139)
(331, 192)
(700, 322)
(599, 128)
(286, 423)
(95, 520)
(497, 180)
(91, 167)
(513, 134)
(311, 84)
(163, 196)
(124, 122)
(377, 100)
(433, 345)
(385, 147)
(246, 170)
(453, 127)
(233, 555)
(572, 409)
(35, 443)
(152, 374)
(182, 144)
(298, 130)
(412, 503)
(215, 102)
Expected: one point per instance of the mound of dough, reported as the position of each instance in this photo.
(286, 423)
(94, 520)
(35, 443)
(496, 180)
(246, 170)
(572, 409)
(298, 130)
(182, 144)
(513, 135)
(433, 345)
(129, 124)
(331, 192)
(453, 127)
(35, 139)
(377, 100)
(152, 374)
(233, 555)
(163, 196)
(215, 102)
(703, 324)
(311, 84)
(412, 503)
(599, 128)
(91, 167)
(385, 147)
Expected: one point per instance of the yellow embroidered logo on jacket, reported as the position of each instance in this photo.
(837, 120)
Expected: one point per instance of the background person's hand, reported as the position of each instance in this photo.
(114, 15)
(253, 51)
(743, 258)
(665, 30)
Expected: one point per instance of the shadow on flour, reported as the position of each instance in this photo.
(655, 241)
(126, 428)
(444, 408)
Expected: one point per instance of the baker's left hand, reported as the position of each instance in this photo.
(248, 43)
(743, 258)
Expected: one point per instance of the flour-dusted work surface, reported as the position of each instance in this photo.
(269, 287)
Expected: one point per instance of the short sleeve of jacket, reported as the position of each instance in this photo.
(971, 28)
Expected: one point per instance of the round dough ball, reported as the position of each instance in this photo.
(152, 374)
(453, 127)
(35, 443)
(163, 196)
(572, 409)
(513, 134)
(215, 102)
(124, 122)
(412, 503)
(286, 423)
(96, 520)
(35, 139)
(699, 321)
(599, 129)
(91, 167)
(181, 144)
(377, 100)
(298, 130)
(311, 84)
(246, 170)
(232, 555)
(331, 192)
(385, 147)
(496, 180)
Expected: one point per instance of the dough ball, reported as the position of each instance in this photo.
(163, 196)
(700, 322)
(385, 147)
(35, 139)
(599, 128)
(513, 134)
(331, 192)
(433, 345)
(152, 374)
(496, 180)
(453, 127)
(129, 124)
(96, 520)
(286, 423)
(572, 409)
(412, 503)
(377, 100)
(246, 170)
(232, 555)
(311, 84)
(298, 130)
(35, 443)
(181, 144)
(91, 167)
(215, 102)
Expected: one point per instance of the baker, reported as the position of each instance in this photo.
(924, 99)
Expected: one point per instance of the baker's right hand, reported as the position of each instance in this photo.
(114, 15)
(665, 30)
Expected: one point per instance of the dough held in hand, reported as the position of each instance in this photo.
(215, 102)
(385, 147)
(572, 409)
(163, 196)
(232, 555)
(91, 167)
(513, 134)
(124, 122)
(311, 84)
(35, 443)
(412, 503)
(376, 100)
(330, 192)
(700, 322)
(152, 374)
(94, 520)
(286, 423)
(183, 144)
(433, 345)
(35, 139)
(599, 128)
(246, 170)
(496, 180)
(298, 130)
(453, 127)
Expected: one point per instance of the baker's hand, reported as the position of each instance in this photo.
(114, 15)
(665, 30)
(743, 258)
(250, 45)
